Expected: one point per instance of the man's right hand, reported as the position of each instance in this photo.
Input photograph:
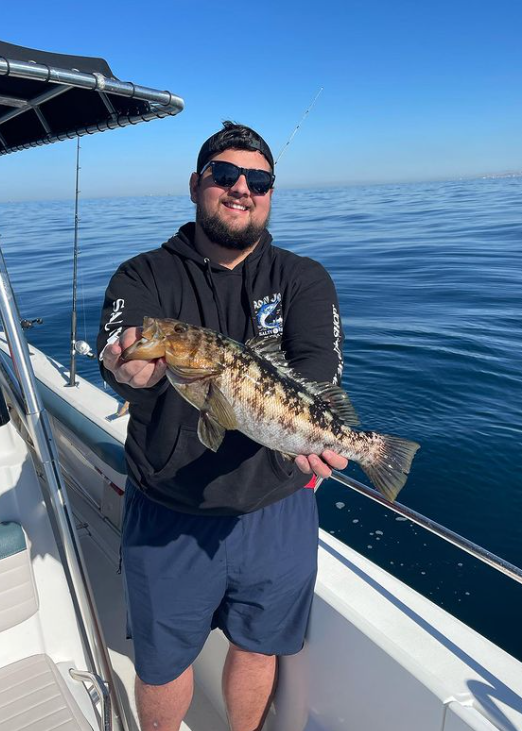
(135, 373)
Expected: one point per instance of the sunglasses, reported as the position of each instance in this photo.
(226, 174)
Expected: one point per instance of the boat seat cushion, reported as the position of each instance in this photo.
(18, 596)
(33, 695)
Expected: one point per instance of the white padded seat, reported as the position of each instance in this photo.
(18, 596)
(35, 697)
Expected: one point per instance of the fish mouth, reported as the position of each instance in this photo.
(150, 346)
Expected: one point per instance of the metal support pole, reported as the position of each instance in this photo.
(40, 431)
(509, 569)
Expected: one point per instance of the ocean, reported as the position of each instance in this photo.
(429, 278)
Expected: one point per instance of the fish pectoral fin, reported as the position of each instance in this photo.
(210, 433)
(178, 374)
(219, 408)
(215, 418)
(339, 402)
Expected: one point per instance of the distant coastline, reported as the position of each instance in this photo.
(492, 176)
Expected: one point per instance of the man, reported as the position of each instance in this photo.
(225, 539)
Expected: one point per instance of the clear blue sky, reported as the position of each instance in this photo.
(412, 90)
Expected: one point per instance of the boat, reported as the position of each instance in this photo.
(378, 657)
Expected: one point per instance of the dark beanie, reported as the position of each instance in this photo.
(233, 136)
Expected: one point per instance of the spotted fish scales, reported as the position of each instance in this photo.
(251, 388)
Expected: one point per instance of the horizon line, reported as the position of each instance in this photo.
(290, 187)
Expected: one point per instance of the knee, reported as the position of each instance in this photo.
(181, 685)
(164, 706)
(247, 656)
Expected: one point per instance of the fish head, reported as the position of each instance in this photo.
(150, 346)
(183, 346)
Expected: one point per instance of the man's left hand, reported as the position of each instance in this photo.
(321, 465)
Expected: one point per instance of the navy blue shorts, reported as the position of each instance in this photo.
(252, 575)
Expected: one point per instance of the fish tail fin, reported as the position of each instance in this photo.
(390, 470)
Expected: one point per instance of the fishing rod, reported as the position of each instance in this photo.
(297, 126)
(77, 346)
(72, 373)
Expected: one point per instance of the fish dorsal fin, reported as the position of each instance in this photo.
(265, 344)
(338, 400)
(269, 348)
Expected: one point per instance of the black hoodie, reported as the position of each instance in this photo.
(271, 291)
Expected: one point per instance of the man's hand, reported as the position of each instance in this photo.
(322, 465)
(135, 373)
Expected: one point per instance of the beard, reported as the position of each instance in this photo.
(229, 238)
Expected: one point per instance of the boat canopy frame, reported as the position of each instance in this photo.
(48, 97)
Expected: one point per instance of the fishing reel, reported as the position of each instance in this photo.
(83, 348)
(26, 324)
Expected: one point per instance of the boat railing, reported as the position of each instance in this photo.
(478, 552)
(20, 383)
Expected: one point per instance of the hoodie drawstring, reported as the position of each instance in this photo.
(250, 297)
(219, 306)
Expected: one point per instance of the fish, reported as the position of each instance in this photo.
(252, 388)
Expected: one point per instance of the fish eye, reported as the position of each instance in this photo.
(180, 328)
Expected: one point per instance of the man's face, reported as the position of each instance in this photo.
(232, 217)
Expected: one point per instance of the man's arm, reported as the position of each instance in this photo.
(129, 297)
(313, 341)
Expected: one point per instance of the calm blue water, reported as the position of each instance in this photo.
(429, 278)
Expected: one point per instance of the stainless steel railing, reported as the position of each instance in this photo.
(509, 569)
(21, 384)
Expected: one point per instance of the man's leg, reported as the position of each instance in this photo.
(175, 577)
(249, 682)
(163, 707)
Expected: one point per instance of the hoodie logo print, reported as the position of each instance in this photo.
(268, 314)
(115, 324)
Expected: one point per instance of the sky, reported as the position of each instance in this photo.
(411, 90)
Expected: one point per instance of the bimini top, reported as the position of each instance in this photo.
(48, 97)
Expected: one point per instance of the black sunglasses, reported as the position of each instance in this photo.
(226, 174)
